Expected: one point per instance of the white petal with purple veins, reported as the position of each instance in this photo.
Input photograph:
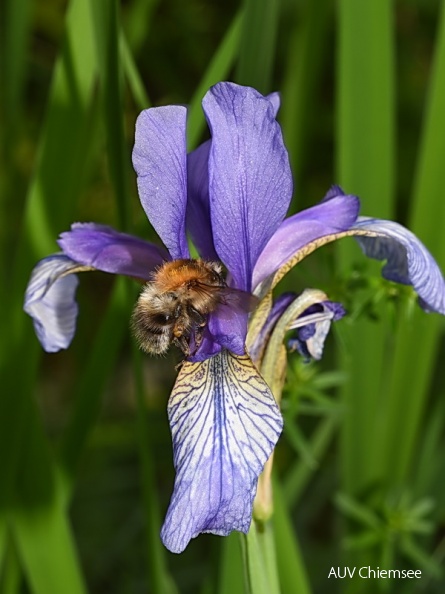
(50, 301)
(225, 424)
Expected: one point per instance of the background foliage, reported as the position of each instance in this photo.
(86, 468)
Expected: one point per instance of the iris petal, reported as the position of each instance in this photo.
(108, 250)
(50, 301)
(313, 327)
(408, 260)
(225, 424)
(159, 158)
(335, 214)
(250, 182)
(198, 207)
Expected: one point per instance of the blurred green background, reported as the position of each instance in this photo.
(86, 463)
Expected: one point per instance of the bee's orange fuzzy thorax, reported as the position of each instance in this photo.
(177, 273)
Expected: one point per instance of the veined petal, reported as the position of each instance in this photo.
(198, 207)
(159, 158)
(250, 182)
(50, 301)
(225, 424)
(104, 248)
(408, 260)
(335, 214)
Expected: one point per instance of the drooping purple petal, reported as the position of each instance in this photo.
(334, 214)
(198, 207)
(50, 301)
(108, 250)
(159, 158)
(250, 182)
(225, 424)
(408, 260)
(313, 327)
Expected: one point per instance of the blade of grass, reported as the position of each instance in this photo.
(257, 572)
(291, 567)
(217, 70)
(10, 573)
(139, 19)
(365, 165)
(68, 116)
(413, 367)
(59, 172)
(38, 519)
(3, 542)
(106, 37)
(16, 15)
(159, 579)
(365, 99)
(257, 49)
(132, 74)
(307, 49)
(231, 573)
(47, 551)
(107, 34)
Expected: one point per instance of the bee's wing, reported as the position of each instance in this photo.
(238, 299)
(225, 423)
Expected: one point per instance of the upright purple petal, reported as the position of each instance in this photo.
(275, 100)
(225, 424)
(108, 250)
(250, 182)
(50, 301)
(159, 158)
(198, 207)
(336, 213)
(408, 260)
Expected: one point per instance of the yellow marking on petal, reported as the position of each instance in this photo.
(75, 269)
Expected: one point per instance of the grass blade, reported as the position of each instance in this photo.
(257, 50)
(291, 567)
(413, 368)
(217, 70)
(365, 165)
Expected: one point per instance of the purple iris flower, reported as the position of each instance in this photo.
(231, 195)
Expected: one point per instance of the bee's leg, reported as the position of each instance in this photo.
(199, 332)
(200, 322)
(181, 343)
(199, 318)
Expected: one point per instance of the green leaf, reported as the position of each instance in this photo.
(216, 71)
(258, 39)
(231, 571)
(365, 166)
(291, 567)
